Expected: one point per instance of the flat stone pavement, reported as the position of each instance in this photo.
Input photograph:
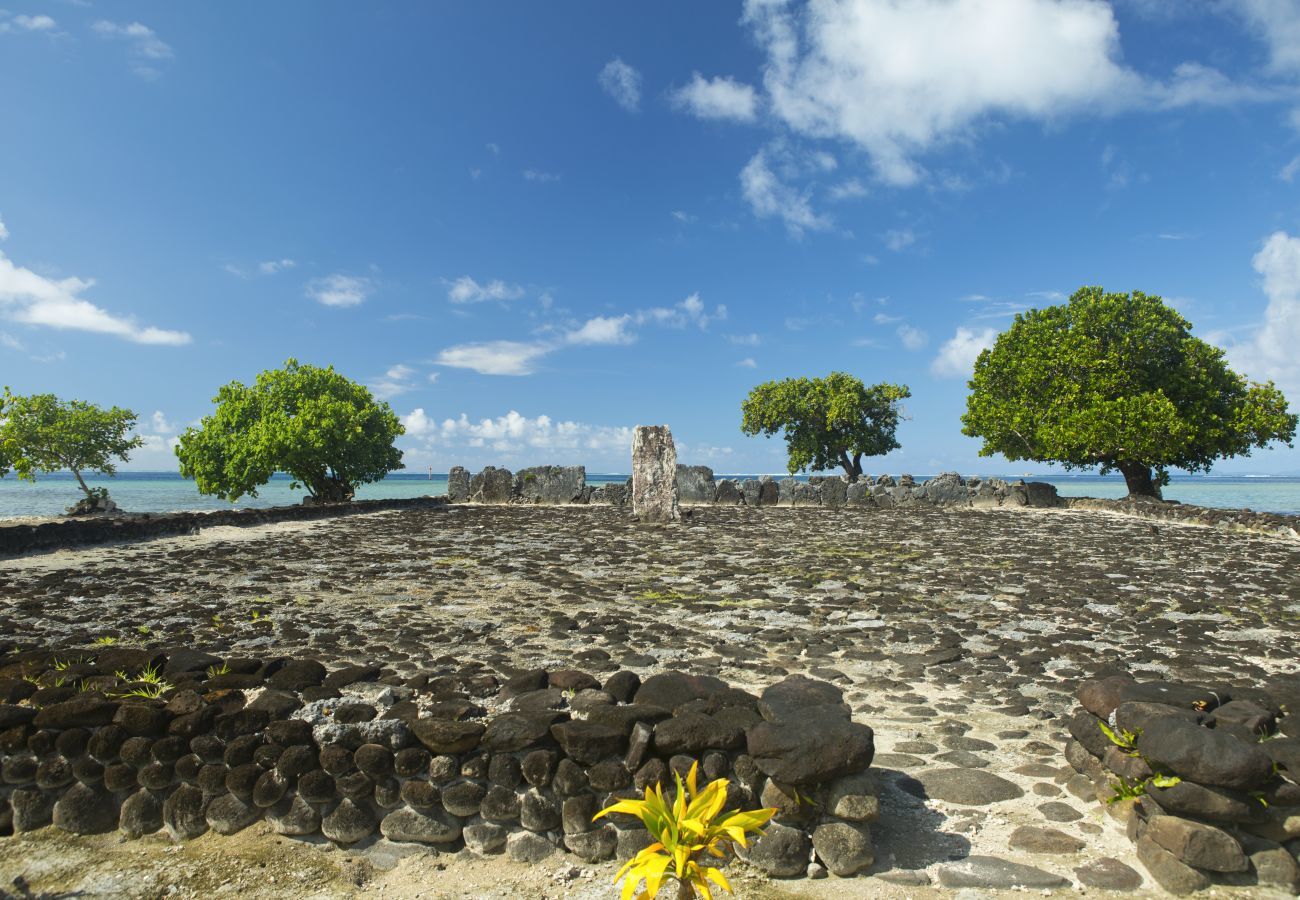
(957, 634)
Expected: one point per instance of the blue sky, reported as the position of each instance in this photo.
(530, 227)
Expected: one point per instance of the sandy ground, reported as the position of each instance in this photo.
(940, 625)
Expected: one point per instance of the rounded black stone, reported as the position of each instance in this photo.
(212, 779)
(54, 773)
(538, 767)
(73, 742)
(142, 813)
(336, 759)
(317, 786)
(169, 749)
(157, 776)
(84, 810)
(463, 797)
(411, 762)
(289, 732)
(135, 751)
(420, 794)
(19, 769)
(374, 760)
(120, 777)
(241, 779)
(187, 767)
(296, 760)
(268, 755)
(88, 770)
(106, 743)
(355, 785)
(240, 751)
(569, 778)
(354, 713)
(207, 748)
(269, 789)
(388, 792)
(43, 742)
(142, 719)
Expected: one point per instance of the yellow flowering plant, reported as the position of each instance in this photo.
(693, 825)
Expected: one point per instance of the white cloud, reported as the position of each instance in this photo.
(602, 330)
(272, 266)
(622, 82)
(1287, 174)
(32, 299)
(11, 342)
(848, 190)
(34, 23)
(340, 290)
(899, 79)
(1277, 22)
(145, 45)
(769, 196)
(912, 338)
(690, 311)
(683, 217)
(1271, 352)
(539, 176)
(467, 290)
(495, 357)
(745, 340)
(885, 319)
(397, 380)
(515, 433)
(4, 232)
(747, 363)
(956, 358)
(717, 98)
(158, 423)
(899, 238)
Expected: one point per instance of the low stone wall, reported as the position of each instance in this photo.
(1276, 524)
(696, 486)
(452, 760)
(1206, 779)
(55, 535)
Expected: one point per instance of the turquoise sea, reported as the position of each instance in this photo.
(168, 492)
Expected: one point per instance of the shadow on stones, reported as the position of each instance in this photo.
(910, 836)
(25, 892)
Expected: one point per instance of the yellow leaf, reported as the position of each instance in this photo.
(654, 874)
(718, 878)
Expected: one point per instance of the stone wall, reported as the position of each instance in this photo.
(516, 765)
(1205, 778)
(57, 534)
(1276, 524)
(696, 486)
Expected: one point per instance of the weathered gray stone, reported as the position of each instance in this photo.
(654, 475)
(844, 847)
(781, 852)
(457, 485)
(996, 874)
(84, 810)
(485, 838)
(1204, 755)
(853, 797)
(425, 826)
(947, 489)
(347, 824)
(695, 485)
(729, 493)
(550, 484)
(1037, 839)
(184, 813)
(294, 816)
(1197, 844)
(526, 847)
(1168, 870)
(968, 787)
(492, 485)
(1108, 874)
(593, 846)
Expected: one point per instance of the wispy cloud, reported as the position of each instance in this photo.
(606, 330)
(899, 239)
(622, 82)
(540, 177)
(496, 357)
(4, 232)
(769, 197)
(717, 98)
(31, 299)
(912, 338)
(147, 49)
(1290, 170)
(747, 363)
(466, 290)
(340, 290)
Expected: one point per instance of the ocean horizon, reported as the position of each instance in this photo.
(158, 492)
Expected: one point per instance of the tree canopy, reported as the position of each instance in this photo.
(328, 433)
(42, 433)
(1117, 381)
(828, 422)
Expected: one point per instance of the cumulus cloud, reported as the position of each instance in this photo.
(515, 433)
(32, 299)
(495, 357)
(467, 290)
(770, 197)
(1277, 22)
(898, 79)
(690, 311)
(1271, 352)
(717, 98)
(602, 330)
(35, 23)
(956, 358)
(396, 381)
(340, 290)
(622, 82)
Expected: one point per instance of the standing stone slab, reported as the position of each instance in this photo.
(457, 485)
(654, 474)
(550, 484)
(492, 485)
(695, 484)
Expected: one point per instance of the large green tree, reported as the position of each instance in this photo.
(1118, 382)
(326, 432)
(828, 422)
(42, 433)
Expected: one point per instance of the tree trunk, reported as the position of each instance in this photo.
(81, 481)
(852, 467)
(1139, 480)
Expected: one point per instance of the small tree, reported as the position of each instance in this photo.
(828, 422)
(1118, 382)
(328, 433)
(42, 433)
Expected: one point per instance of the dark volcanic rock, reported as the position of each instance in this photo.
(84, 711)
(796, 694)
(968, 787)
(782, 851)
(425, 826)
(84, 810)
(348, 823)
(694, 733)
(588, 742)
(997, 874)
(1204, 755)
(184, 813)
(142, 813)
(672, 689)
(1219, 804)
(818, 745)
(442, 736)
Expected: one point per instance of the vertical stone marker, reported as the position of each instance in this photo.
(654, 474)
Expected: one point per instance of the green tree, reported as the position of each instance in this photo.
(42, 433)
(1118, 382)
(328, 433)
(828, 422)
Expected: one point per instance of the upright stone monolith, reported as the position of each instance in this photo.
(457, 485)
(654, 474)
